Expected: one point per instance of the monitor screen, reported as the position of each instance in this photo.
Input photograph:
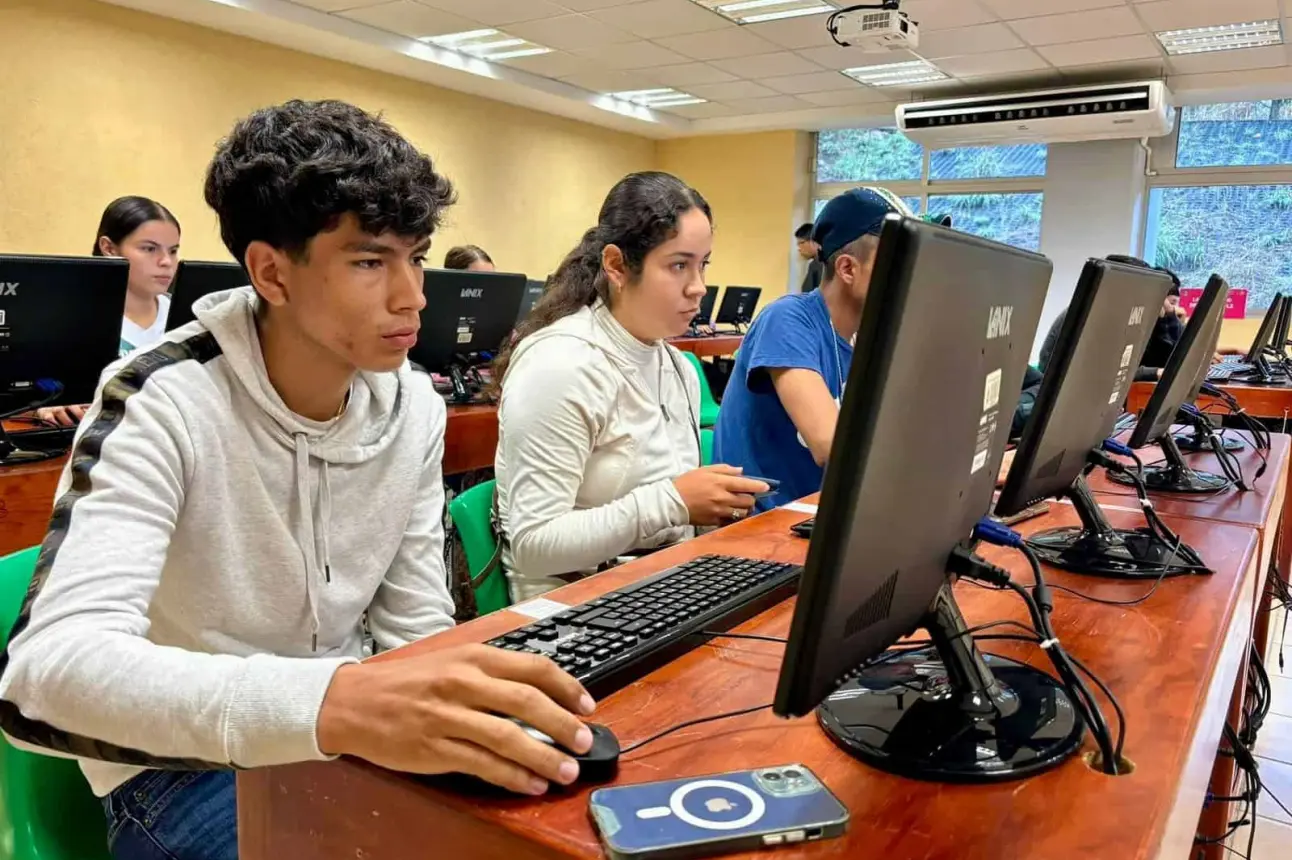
(738, 305)
(195, 280)
(60, 319)
(465, 313)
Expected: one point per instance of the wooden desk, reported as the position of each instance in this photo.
(1172, 662)
(27, 492)
(704, 347)
(1260, 401)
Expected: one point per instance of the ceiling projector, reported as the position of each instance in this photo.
(875, 30)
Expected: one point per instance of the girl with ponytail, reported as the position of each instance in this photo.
(599, 440)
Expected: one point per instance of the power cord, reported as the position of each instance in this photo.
(633, 747)
(1039, 605)
(50, 390)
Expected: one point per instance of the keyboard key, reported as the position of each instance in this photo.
(601, 654)
(608, 622)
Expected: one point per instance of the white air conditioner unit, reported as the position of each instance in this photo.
(1102, 112)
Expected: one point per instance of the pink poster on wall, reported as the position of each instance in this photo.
(1235, 302)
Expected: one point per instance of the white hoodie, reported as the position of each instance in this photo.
(203, 538)
(594, 425)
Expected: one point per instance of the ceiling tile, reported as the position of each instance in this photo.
(1265, 79)
(1230, 61)
(655, 19)
(632, 55)
(590, 5)
(411, 19)
(570, 32)
(858, 95)
(768, 65)
(338, 5)
(817, 82)
(999, 63)
(610, 81)
(1102, 51)
(1181, 14)
(968, 40)
(805, 32)
(1011, 9)
(1105, 73)
(719, 45)
(835, 57)
(690, 74)
(771, 104)
(557, 64)
(497, 12)
(731, 91)
(1078, 26)
(946, 14)
(707, 110)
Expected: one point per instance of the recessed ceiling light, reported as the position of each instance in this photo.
(488, 45)
(664, 97)
(1223, 37)
(897, 74)
(757, 11)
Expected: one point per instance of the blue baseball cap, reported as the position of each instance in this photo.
(855, 213)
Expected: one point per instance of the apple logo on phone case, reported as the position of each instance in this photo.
(716, 804)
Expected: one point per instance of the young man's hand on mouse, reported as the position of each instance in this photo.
(438, 713)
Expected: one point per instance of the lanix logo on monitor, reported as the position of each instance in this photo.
(8, 289)
(998, 322)
(1137, 316)
(472, 293)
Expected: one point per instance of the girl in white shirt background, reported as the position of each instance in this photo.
(146, 234)
(599, 441)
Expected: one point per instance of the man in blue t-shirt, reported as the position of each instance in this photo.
(782, 403)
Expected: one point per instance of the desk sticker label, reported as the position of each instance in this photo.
(539, 608)
(988, 423)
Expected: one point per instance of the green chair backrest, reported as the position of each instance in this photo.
(47, 811)
(471, 514)
(708, 405)
(706, 447)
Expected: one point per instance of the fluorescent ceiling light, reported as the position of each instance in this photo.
(756, 11)
(1223, 37)
(488, 45)
(663, 97)
(897, 74)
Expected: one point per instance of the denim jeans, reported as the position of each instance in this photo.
(174, 815)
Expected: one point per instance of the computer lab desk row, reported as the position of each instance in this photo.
(27, 492)
(1175, 662)
(1260, 401)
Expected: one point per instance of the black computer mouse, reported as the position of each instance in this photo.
(599, 764)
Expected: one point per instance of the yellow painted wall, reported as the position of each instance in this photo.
(97, 101)
(753, 183)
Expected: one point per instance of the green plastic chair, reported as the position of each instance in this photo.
(471, 513)
(706, 447)
(708, 405)
(47, 811)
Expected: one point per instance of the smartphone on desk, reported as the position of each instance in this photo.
(680, 819)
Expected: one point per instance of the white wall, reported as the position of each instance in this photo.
(1094, 196)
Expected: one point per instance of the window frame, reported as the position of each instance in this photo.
(925, 186)
(1163, 173)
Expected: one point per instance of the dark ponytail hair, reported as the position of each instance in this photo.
(461, 257)
(639, 214)
(125, 215)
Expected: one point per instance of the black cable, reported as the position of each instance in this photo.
(731, 715)
(52, 393)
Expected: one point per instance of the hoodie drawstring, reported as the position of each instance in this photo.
(306, 539)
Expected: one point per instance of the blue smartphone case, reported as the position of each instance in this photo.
(701, 816)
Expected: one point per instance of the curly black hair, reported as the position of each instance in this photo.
(289, 172)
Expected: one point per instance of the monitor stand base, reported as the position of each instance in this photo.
(952, 714)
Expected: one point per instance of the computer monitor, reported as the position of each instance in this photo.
(738, 304)
(926, 431)
(195, 279)
(466, 313)
(1181, 380)
(533, 292)
(1265, 334)
(705, 315)
(1103, 338)
(1279, 344)
(60, 326)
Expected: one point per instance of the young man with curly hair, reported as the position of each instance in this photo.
(249, 498)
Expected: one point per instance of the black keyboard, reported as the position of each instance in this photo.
(612, 641)
(43, 438)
